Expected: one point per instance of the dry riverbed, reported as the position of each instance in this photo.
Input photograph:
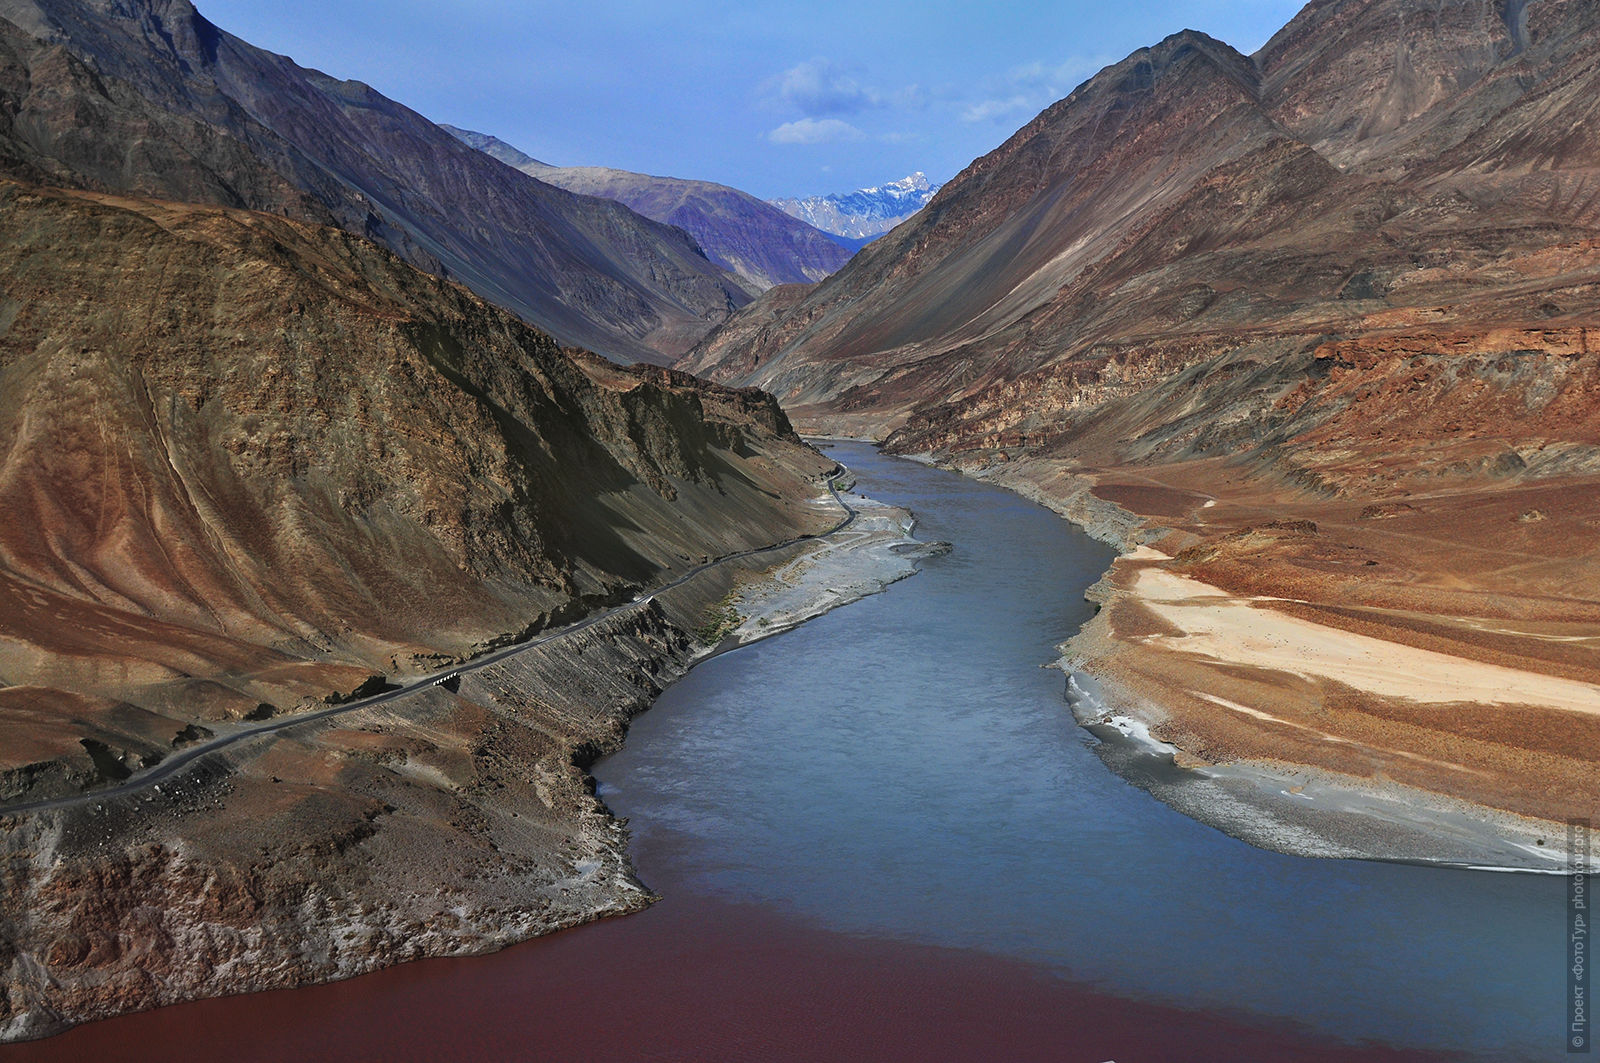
(875, 551)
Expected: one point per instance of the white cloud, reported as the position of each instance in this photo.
(911, 98)
(1025, 90)
(1055, 80)
(995, 110)
(815, 131)
(818, 88)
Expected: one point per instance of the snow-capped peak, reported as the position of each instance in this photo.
(865, 212)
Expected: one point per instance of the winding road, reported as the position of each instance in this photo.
(171, 766)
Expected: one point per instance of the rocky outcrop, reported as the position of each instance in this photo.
(151, 99)
(446, 823)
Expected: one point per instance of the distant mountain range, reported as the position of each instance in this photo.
(866, 213)
(499, 149)
(149, 98)
(740, 233)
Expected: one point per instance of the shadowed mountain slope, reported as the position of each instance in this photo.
(739, 232)
(149, 98)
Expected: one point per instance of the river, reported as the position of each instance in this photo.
(882, 833)
(904, 767)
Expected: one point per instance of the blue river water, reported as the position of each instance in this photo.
(905, 768)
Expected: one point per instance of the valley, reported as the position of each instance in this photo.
(1307, 332)
(363, 478)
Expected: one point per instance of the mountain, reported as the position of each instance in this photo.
(1190, 200)
(499, 149)
(149, 98)
(955, 297)
(258, 466)
(1318, 325)
(739, 232)
(255, 467)
(265, 453)
(865, 213)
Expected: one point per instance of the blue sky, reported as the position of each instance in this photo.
(775, 98)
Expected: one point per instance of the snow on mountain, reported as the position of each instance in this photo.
(866, 212)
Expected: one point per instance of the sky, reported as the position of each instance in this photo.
(776, 98)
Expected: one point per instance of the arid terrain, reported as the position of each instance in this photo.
(290, 417)
(255, 467)
(1444, 644)
(1320, 324)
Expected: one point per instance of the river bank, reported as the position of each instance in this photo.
(883, 825)
(1282, 669)
(454, 820)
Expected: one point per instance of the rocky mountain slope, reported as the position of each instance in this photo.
(254, 466)
(1350, 278)
(149, 98)
(738, 232)
(251, 461)
(1169, 208)
(865, 213)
